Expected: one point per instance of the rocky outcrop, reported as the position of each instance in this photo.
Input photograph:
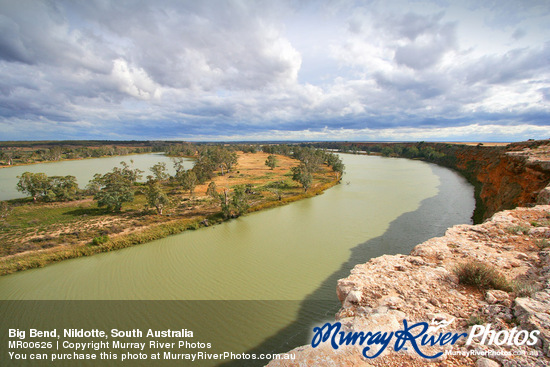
(423, 286)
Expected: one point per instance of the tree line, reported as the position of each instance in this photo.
(418, 150)
(112, 189)
(310, 159)
(119, 186)
(12, 156)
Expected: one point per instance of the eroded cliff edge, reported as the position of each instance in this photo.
(423, 286)
(504, 177)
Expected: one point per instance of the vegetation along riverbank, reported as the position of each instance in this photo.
(127, 206)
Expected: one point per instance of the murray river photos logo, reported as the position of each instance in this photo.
(417, 336)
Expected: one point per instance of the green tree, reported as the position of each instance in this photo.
(159, 171)
(54, 153)
(411, 152)
(336, 163)
(132, 175)
(225, 203)
(235, 204)
(203, 168)
(230, 159)
(34, 184)
(271, 161)
(115, 190)
(189, 181)
(338, 167)
(239, 200)
(302, 175)
(178, 165)
(94, 185)
(55, 188)
(277, 187)
(7, 157)
(155, 196)
(62, 188)
(387, 151)
(222, 158)
(212, 190)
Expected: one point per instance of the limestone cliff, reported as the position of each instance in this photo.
(423, 286)
(505, 177)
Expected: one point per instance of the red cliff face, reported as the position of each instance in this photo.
(504, 176)
(508, 177)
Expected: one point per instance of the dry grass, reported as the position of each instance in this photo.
(482, 276)
(485, 144)
(251, 169)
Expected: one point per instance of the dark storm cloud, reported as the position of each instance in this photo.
(428, 39)
(11, 46)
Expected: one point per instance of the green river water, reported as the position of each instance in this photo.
(257, 284)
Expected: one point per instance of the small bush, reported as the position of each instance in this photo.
(518, 229)
(542, 244)
(544, 223)
(482, 276)
(524, 288)
(476, 320)
(194, 226)
(100, 240)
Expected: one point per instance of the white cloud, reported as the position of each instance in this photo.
(135, 81)
(474, 132)
(235, 67)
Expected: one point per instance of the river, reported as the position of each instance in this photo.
(255, 284)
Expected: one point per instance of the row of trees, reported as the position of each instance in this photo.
(29, 152)
(310, 159)
(56, 153)
(112, 189)
(54, 188)
(420, 150)
(181, 149)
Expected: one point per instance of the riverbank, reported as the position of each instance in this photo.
(36, 234)
(428, 286)
(24, 153)
(22, 164)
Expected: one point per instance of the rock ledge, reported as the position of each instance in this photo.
(422, 286)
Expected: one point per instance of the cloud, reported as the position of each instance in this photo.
(428, 49)
(11, 45)
(165, 69)
(514, 65)
(518, 34)
(134, 81)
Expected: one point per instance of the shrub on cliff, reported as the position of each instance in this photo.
(482, 276)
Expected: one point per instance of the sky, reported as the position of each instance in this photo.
(236, 70)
